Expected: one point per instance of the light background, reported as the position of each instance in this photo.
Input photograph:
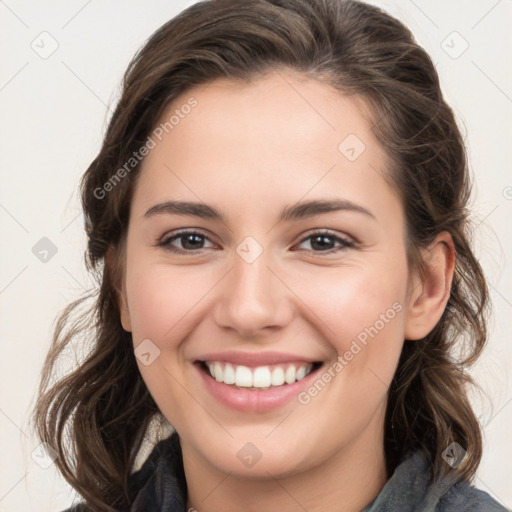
(53, 115)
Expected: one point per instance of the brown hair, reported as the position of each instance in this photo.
(97, 416)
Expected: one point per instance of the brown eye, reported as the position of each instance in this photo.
(325, 242)
(190, 241)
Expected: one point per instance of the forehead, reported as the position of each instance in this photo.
(283, 132)
(278, 109)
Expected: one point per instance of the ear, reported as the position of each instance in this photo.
(430, 294)
(122, 303)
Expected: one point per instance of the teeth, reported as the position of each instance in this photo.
(243, 377)
(217, 372)
(289, 375)
(301, 373)
(259, 377)
(277, 376)
(229, 374)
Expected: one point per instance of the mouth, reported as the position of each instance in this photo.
(259, 378)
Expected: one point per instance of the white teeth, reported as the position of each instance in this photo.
(243, 377)
(217, 369)
(300, 373)
(260, 377)
(289, 375)
(277, 376)
(229, 374)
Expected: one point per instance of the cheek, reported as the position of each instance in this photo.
(362, 315)
(152, 305)
(348, 300)
(360, 311)
(163, 301)
(163, 304)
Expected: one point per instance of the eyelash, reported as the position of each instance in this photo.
(345, 244)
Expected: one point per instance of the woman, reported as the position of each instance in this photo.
(277, 218)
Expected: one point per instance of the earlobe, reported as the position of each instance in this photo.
(431, 293)
(118, 282)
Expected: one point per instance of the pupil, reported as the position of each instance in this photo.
(323, 242)
(191, 239)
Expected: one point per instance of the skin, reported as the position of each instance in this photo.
(250, 150)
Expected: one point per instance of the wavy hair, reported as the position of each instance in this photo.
(96, 417)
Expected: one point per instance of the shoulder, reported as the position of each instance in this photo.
(411, 487)
(464, 497)
(449, 494)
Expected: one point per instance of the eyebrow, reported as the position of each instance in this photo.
(292, 212)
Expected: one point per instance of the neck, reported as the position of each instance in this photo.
(345, 482)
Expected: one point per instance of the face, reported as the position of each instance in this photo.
(291, 260)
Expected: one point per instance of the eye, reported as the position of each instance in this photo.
(324, 242)
(193, 241)
(190, 241)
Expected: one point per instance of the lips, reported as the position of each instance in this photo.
(255, 382)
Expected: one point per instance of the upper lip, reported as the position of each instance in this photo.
(254, 359)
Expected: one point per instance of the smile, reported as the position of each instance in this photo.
(256, 382)
(260, 377)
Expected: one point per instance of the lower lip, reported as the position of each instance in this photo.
(254, 401)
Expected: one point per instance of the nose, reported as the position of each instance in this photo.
(252, 299)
